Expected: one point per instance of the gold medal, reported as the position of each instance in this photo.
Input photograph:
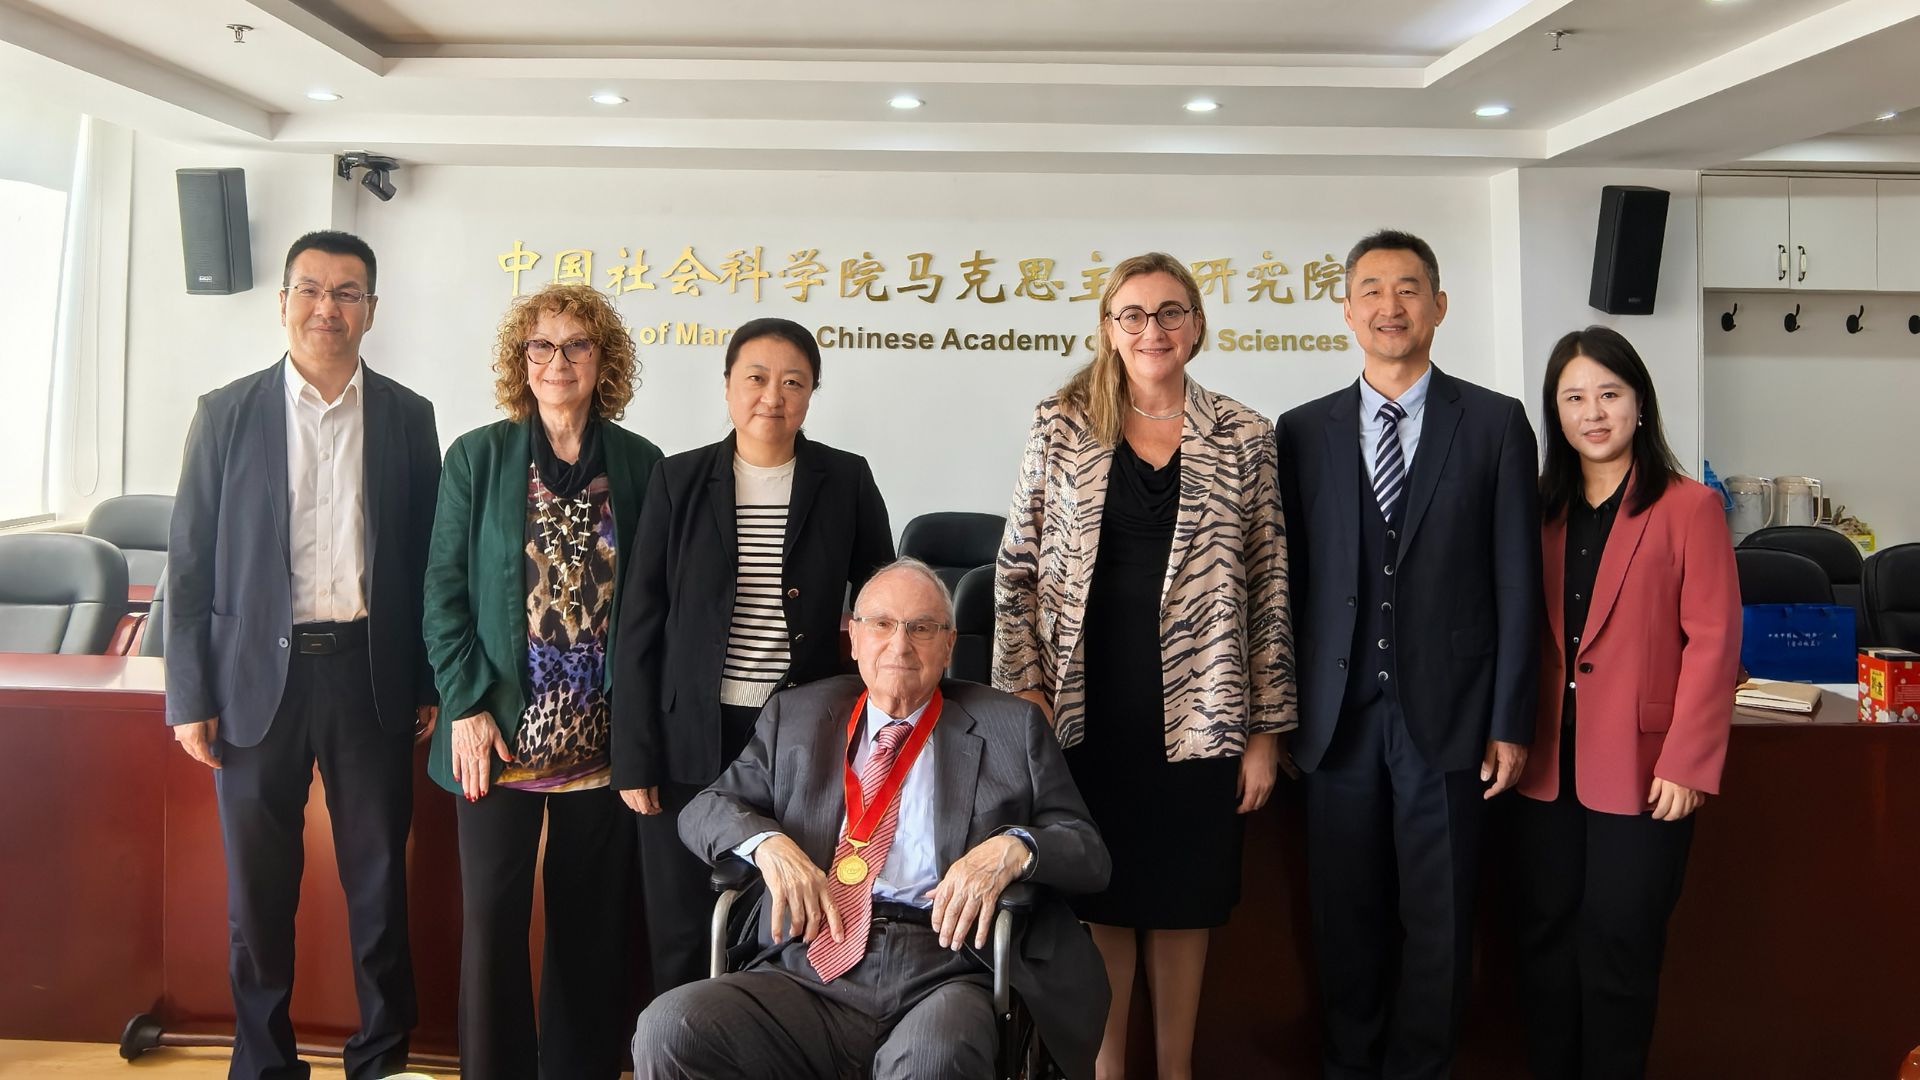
(852, 870)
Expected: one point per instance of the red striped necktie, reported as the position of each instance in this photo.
(833, 959)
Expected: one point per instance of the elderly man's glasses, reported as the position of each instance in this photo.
(312, 294)
(1134, 319)
(919, 631)
(541, 351)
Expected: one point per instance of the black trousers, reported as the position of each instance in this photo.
(673, 879)
(326, 715)
(1392, 847)
(582, 1029)
(1593, 895)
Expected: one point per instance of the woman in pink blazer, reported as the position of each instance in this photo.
(1640, 653)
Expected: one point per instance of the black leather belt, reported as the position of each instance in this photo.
(326, 639)
(888, 911)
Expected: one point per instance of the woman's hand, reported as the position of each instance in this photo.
(476, 739)
(1671, 801)
(641, 800)
(1039, 697)
(1257, 768)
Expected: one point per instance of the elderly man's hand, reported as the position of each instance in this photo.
(797, 891)
(969, 893)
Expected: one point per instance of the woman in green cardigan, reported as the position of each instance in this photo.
(530, 541)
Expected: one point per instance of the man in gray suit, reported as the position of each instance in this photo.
(872, 965)
(294, 572)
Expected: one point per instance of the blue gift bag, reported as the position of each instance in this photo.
(1798, 642)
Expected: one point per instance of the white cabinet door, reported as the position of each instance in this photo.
(1899, 235)
(1743, 232)
(1835, 233)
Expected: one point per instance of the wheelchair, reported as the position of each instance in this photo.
(731, 939)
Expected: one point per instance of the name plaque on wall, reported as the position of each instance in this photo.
(1264, 286)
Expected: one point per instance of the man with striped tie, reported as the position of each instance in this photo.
(886, 814)
(1413, 553)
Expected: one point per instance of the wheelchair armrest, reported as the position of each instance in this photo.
(1019, 897)
(731, 877)
(732, 873)
(1017, 901)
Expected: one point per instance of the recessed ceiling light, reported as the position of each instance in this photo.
(905, 101)
(322, 95)
(1202, 105)
(1492, 110)
(1887, 115)
(608, 97)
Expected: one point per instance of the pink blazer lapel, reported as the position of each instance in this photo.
(1622, 542)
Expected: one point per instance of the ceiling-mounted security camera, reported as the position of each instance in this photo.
(378, 178)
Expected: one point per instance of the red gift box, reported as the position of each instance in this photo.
(1889, 686)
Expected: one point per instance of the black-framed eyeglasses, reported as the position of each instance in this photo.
(1134, 319)
(919, 631)
(541, 351)
(311, 293)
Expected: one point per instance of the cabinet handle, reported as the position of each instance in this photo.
(1783, 262)
(1803, 262)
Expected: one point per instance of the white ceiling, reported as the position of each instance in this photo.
(1314, 86)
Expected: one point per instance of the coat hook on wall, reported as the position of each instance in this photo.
(1913, 324)
(1853, 321)
(1726, 318)
(1793, 319)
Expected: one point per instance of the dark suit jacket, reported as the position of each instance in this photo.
(230, 577)
(999, 767)
(1467, 584)
(679, 599)
(476, 595)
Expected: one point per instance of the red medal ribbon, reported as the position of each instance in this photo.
(863, 816)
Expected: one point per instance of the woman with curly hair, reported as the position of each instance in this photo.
(534, 527)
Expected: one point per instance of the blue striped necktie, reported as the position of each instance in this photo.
(1389, 463)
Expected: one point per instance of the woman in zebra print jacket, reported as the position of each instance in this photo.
(1141, 599)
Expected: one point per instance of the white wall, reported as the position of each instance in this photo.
(37, 142)
(1824, 403)
(180, 346)
(943, 429)
(1554, 213)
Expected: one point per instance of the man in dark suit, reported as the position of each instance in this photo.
(295, 565)
(1414, 554)
(956, 791)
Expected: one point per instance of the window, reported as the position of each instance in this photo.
(33, 219)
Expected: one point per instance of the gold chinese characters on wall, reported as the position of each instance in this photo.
(920, 275)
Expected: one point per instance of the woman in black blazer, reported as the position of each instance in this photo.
(742, 562)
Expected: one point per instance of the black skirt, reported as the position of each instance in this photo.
(1171, 827)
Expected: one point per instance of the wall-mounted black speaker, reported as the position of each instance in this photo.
(1626, 251)
(213, 230)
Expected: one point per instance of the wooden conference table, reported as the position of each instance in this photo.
(1789, 955)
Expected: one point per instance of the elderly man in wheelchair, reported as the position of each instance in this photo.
(887, 816)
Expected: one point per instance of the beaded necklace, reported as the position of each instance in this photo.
(566, 533)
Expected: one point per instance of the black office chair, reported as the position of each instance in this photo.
(137, 525)
(953, 542)
(973, 624)
(732, 940)
(1890, 584)
(1768, 576)
(60, 593)
(1837, 556)
(153, 638)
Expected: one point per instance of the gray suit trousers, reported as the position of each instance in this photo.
(908, 1009)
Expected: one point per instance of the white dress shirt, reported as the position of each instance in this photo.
(912, 868)
(327, 503)
(1414, 400)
